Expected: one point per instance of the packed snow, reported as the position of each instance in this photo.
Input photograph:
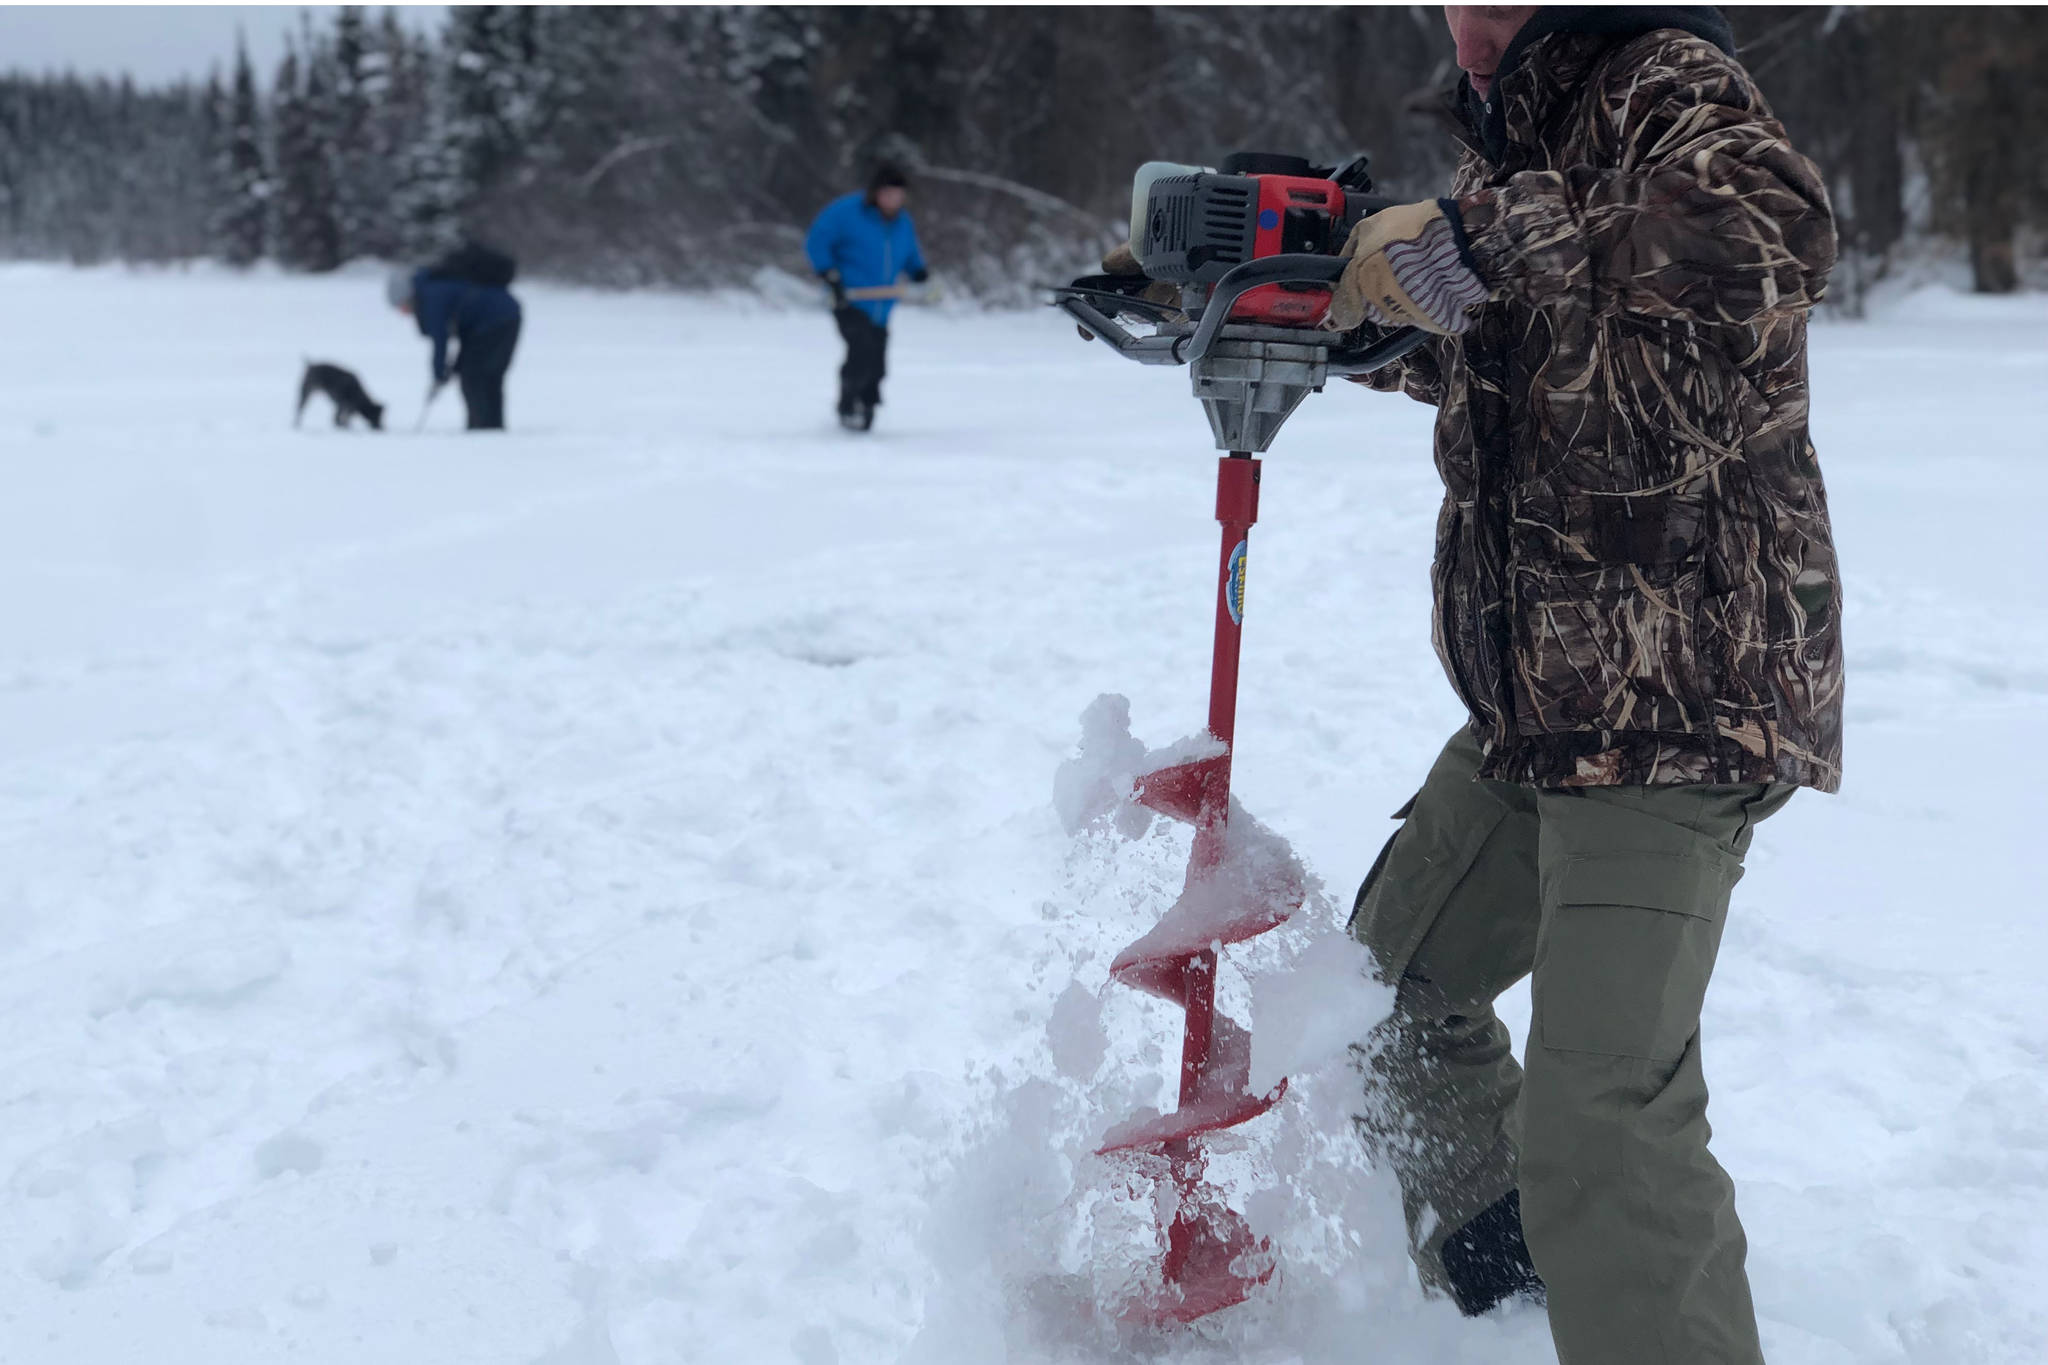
(599, 895)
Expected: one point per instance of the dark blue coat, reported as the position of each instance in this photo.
(852, 237)
(445, 307)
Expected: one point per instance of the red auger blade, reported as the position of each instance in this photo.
(1204, 1116)
(1212, 1263)
(1187, 790)
(1237, 888)
(1225, 1101)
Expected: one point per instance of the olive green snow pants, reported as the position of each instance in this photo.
(1613, 897)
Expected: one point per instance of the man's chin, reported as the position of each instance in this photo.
(1482, 86)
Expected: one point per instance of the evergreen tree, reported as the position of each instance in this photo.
(240, 221)
(305, 234)
(323, 221)
(161, 201)
(10, 161)
(497, 96)
(415, 133)
(362, 178)
(775, 55)
(214, 117)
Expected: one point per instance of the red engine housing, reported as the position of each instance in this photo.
(1295, 214)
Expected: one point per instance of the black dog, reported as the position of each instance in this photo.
(347, 393)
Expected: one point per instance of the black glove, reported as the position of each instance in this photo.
(920, 275)
(831, 277)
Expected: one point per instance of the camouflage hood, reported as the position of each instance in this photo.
(1488, 120)
(1634, 577)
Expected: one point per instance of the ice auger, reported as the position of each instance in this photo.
(1249, 330)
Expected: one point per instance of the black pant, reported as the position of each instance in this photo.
(486, 355)
(867, 346)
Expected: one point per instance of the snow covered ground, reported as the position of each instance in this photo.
(593, 896)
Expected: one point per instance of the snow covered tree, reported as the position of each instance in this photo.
(306, 232)
(241, 217)
(215, 115)
(159, 200)
(361, 179)
(414, 135)
(496, 95)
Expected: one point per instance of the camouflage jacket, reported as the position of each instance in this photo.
(1634, 578)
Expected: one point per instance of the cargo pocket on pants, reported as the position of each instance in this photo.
(1425, 862)
(1379, 864)
(1626, 952)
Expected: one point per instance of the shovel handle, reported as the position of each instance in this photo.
(908, 293)
(433, 391)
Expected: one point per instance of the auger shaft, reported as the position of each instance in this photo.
(1237, 507)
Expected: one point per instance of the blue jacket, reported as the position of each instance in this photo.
(853, 237)
(443, 307)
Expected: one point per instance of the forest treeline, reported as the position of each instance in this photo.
(690, 145)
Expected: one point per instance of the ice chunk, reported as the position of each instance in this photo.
(1257, 884)
(1075, 1032)
(1094, 787)
(1306, 1013)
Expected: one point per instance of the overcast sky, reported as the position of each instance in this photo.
(156, 43)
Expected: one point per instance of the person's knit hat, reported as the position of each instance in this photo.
(886, 176)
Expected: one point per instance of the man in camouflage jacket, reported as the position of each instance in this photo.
(1636, 598)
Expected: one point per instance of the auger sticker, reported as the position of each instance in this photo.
(1233, 593)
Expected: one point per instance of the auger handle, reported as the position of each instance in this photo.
(1292, 269)
(1151, 350)
(1295, 269)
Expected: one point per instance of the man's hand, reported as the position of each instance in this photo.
(920, 275)
(1406, 271)
(1122, 261)
(837, 284)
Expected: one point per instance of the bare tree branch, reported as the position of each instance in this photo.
(631, 147)
(1050, 203)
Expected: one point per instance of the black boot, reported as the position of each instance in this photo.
(1487, 1261)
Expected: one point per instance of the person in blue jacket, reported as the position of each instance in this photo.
(862, 241)
(481, 316)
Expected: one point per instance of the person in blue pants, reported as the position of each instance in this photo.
(865, 240)
(476, 312)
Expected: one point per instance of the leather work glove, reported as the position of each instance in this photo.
(1406, 271)
(1121, 261)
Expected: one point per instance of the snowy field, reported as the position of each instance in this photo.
(594, 897)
